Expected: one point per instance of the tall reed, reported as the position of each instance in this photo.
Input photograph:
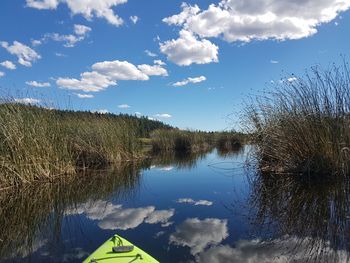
(302, 126)
(39, 144)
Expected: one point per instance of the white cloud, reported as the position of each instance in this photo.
(179, 19)
(81, 29)
(160, 216)
(107, 73)
(34, 83)
(88, 9)
(27, 100)
(88, 82)
(274, 61)
(199, 234)
(25, 54)
(84, 96)
(36, 42)
(150, 54)
(69, 40)
(113, 217)
(155, 70)
(2, 74)
(163, 115)
(159, 62)
(8, 64)
(124, 106)
(194, 202)
(259, 19)
(119, 70)
(138, 113)
(134, 19)
(188, 49)
(277, 251)
(126, 218)
(189, 80)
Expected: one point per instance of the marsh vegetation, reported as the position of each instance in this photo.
(302, 126)
(39, 144)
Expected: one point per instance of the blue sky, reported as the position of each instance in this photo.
(188, 64)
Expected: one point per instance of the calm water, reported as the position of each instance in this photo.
(204, 208)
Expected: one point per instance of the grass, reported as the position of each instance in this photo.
(303, 126)
(194, 141)
(40, 144)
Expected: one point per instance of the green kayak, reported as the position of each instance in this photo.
(118, 249)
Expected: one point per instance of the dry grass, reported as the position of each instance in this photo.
(40, 144)
(303, 126)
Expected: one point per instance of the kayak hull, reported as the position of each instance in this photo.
(105, 254)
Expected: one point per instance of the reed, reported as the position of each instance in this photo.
(302, 126)
(41, 144)
(194, 141)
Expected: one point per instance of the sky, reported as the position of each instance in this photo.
(190, 64)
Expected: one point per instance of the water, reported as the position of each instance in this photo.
(197, 208)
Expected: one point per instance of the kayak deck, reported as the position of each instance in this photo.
(105, 254)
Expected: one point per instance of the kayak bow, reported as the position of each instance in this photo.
(119, 250)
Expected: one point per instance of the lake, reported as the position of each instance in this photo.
(209, 207)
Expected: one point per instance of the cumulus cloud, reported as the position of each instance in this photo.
(25, 54)
(155, 70)
(188, 49)
(8, 64)
(113, 217)
(123, 106)
(163, 115)
(250, 20)
(189, 80)
(194, 202)
(34, 83)
(276, 251)
(84, 96)
(199, 234)
(88, 9)
(119, 70)
(107, 73)
(2, 74)
(274, 61)
(179, 19)
(88, 82)
(160, 216)
(134, 19)
(27, 100)
(127, 218)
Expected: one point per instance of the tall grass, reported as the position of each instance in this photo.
(303, 125)
(40, 144)
(195, 141)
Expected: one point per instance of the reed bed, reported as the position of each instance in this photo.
(302, 126)
(194, 141)
(41, 144)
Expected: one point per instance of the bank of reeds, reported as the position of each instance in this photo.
(40, 144)
(194, 141)
(303, 125)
